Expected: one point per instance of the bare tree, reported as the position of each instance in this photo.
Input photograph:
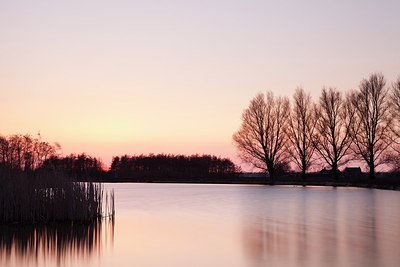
(395, 110)
(43, 151)
(261, 138)
(301, 130)
(16, 152)
(371, 131)
(24, 152)
(332, 138)
(4, 150)
(393, 157)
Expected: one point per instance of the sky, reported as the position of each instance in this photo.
(131, 77)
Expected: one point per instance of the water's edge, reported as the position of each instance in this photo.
(270, 183)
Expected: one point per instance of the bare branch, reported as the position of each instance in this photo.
(301, 129)
(332, 138)
(371, 130)
(261, 138)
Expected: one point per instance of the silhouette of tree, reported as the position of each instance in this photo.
(393, 157)
(261, 138)
(24, 152)
(395, 110)
(371, 130)
(79, 167)
(301, 131)
(332, 138)
(4, 157)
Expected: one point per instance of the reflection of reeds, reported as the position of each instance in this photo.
(58, 242)
(50, 197)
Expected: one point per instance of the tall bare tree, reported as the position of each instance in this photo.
(371, 131)
(393, 157)
(332, 138)
(395, 110)
(301, 129)
(261, 138)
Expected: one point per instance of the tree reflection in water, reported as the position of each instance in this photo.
(61, 243)
(319, 228)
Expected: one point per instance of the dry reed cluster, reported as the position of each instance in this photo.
(49, 197)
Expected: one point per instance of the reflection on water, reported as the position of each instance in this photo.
(323, 227)
(225, 225)
(56, 244)
(159, 225)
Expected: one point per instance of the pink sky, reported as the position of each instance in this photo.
(131, 77)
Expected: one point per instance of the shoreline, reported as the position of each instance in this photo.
(392, 187)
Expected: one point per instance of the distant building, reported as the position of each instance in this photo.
(325, 171)
(352, 172)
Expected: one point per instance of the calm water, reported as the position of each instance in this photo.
(222, 225)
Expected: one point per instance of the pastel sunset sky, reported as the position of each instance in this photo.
(131, 77)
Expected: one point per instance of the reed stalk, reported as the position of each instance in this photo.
(50, 197)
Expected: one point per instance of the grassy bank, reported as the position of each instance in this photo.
(45, 197)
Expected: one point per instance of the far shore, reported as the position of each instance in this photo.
(365, 184)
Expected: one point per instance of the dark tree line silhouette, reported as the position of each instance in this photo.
(23, 152)
(27, 154)
(32, 156)
(179, 167)
(363, 125)
(79, 167)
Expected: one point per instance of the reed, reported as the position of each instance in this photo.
(46, 197)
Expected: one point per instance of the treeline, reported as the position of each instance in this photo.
(79, 167)
(23, 152)
(171, 167)
(32, 156)
(360, 125)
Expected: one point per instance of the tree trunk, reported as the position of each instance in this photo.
(371, 164)
(271, 175)
(271, 171)
(371, 172)
(335, 172)
(303, 174)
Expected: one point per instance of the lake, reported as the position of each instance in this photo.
(195, 225)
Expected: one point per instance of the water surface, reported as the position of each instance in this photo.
(224, 225)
